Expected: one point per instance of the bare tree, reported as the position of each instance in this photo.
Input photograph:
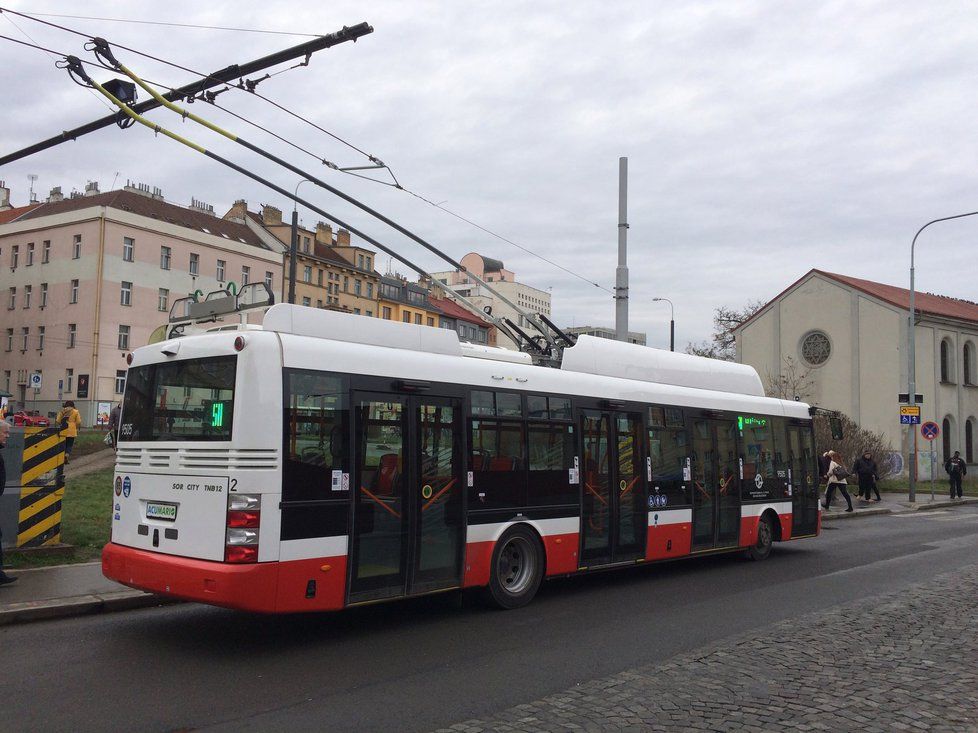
(723, 344)
(854, 442)
(794, 382)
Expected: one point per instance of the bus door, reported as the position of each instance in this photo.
(614, 487)
(408, 491)
(716, 484)
(803, 480)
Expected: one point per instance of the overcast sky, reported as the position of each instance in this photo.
(764, 138)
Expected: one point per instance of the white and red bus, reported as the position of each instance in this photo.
(326, 460)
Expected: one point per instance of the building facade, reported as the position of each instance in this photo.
(842, 341)
(604, 332)
(400, 300)
(86, 279)
(505, 283)
(468, 326)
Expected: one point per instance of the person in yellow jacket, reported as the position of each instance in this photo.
(70, 420)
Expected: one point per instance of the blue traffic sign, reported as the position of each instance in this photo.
(910, 419)
(929, 430)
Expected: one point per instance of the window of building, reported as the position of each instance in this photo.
(123, 337)
(370, 313)
(946, 438)
(319, 303)
(306, 244)
(346, 284)
(406, 316)
(40, 338)
(194, 264)
(163, 303)
(356, 287)
(10, 341)
(360, 261)
(27, 296)
(45, 251)
(69, 379)
(417, 318)
(76, 247)
(305, 301)
(431, 321)
(44, 295)
(6, 380)
(128, 245)
(125, 294)
(816, 348)
(220, 271)
(30, 254)
(164, 258)
(968, 364)
(25, 334)
(12, 299)
(969, 440)
(947, 368)
(307, 274)
(72, 333)
(268, 279)
(73, 292)
(245, 274)
(368, 263)
(14, 255)
(356, 311)
(319, 277)
(385, 313)
(120, 381)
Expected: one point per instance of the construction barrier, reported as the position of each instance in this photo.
(42, 487)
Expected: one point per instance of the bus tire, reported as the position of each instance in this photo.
(517, 569)
(761, 549)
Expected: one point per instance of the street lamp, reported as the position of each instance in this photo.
(672, 322)
(294, 246)
(911, 352)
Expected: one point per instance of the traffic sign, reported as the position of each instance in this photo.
(910, 410)
(910, 419)
(36, 380)
(929, 430)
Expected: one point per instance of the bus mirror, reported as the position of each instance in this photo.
(835, 425)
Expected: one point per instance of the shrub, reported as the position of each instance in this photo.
(854, 443)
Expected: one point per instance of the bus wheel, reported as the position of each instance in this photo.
(765, 541)
(517, 569)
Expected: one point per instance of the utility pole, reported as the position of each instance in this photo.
(293, 251)
(621, 274)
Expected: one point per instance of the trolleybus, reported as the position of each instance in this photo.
(326, 460)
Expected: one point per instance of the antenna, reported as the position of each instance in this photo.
(31, 177)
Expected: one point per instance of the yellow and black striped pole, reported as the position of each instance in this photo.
(42, 488)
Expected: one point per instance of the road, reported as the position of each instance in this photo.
(428, 663)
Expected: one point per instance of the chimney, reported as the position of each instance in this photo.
(4, 197)
(270, 215)
(238, 212)
(91, 188)
(196, 205)
(55, 195)
(324, 233)
(342, 238)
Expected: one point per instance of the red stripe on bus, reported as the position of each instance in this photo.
(478, 556)
(668, 540)
(561, 553)
(329, 573)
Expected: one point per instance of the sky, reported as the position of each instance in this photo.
(763, 138)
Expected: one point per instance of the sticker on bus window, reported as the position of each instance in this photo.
(336, 483)
(573, 476)
(346, 482)
(470, 477)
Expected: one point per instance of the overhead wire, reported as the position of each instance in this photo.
(177, 25)
(251, 90)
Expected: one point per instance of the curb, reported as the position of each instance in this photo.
(902, 509)
(832, 516)
(124, 600)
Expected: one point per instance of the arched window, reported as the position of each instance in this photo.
(946, 438)
(968, 363)
(945, 360)
(969, 440)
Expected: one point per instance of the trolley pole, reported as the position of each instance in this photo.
(621, 274)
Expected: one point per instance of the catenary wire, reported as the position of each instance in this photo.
(337, 138)
(178, 25)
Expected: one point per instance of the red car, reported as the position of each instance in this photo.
(29, 419)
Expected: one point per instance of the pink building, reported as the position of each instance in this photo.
(86, 279)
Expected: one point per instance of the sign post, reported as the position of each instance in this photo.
(929, 432)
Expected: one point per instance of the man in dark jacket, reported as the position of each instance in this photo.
(957, 469)
(867, 473)
(4, 434)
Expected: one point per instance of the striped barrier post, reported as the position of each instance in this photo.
(42, 481)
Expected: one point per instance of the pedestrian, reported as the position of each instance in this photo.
(4, 434)
(868, 474)
(69, 420)
(114, 416)
(956, 469)
(835, 478)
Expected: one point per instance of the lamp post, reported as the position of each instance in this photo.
(672, 322)
(912, 354)
(294, 245)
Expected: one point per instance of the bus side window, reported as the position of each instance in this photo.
(498, 465)
(316, 424)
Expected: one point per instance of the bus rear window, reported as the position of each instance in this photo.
(180, 400)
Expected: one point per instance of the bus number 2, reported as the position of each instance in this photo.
(233, 486)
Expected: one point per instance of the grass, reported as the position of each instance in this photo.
(88, 442)
(85, 521)
(942, 487)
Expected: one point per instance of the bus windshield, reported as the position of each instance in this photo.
(180, 400)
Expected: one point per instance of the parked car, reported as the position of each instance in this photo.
(30, 419)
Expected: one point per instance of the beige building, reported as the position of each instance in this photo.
(504, 282)
(86, 279)
(847, 337)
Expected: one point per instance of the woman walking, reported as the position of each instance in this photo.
(836, 478)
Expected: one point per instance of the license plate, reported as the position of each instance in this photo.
(159, 510)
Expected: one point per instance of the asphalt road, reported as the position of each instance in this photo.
(423, 664)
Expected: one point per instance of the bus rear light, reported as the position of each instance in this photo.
(242, 536)
(239, 343)
(241, 554)
(249, 519)
(242, 502)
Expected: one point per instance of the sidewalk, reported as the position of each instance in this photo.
(66, 590)
(891, 504)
